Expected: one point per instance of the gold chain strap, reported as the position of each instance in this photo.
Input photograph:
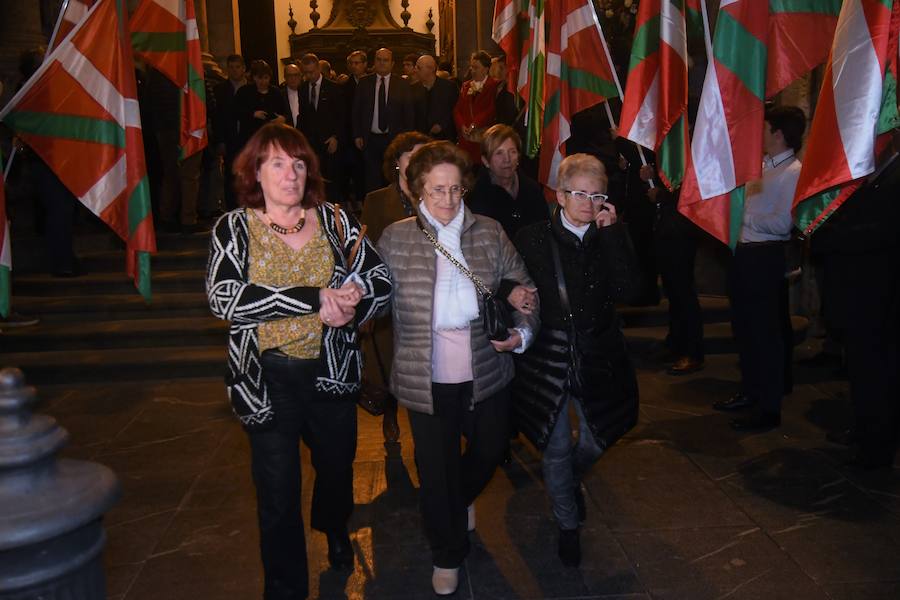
(483, 289)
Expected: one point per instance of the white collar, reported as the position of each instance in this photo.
(771, 162)
(578, 230)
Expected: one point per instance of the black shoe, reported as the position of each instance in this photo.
(685, 365)
(569, 547)
(579, 503)
(843, 437)
(340, 552)
(758, 422)
(736, 402)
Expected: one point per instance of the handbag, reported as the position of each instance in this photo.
(372, 395)
(494, 316)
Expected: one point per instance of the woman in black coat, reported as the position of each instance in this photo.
(503, 192)
(579, 359)
(259, 103)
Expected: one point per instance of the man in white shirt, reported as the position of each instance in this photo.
(757, 286)
(292, 79)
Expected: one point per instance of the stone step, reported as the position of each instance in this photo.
(129, 305)
(105, 283)
(716, 309)
(118, 364)
(717, 337)
(99, 335)
(112, 261)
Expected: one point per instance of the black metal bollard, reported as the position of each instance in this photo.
(51, 536)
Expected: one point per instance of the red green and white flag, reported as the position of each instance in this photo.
(857, 108)
(726, 148)
(164, 34)
(79, 112)
(5, 253)
(800, 34)
(532, 70)
(73, 12)
(654, 110)
(579, 76)
(510, 29)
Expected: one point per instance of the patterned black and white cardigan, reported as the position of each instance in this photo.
(246, 305)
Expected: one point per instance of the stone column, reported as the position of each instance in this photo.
(209, 61)
(219, 23)
(20, 30)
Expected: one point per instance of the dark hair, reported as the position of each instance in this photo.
(309, 58)
(233, 58)
(411, 57)
(364, 56)
(790, 121)
(258, 149)
(258, 68)
(431, 155)
(401, 144)
(481, 56)
(445, 65)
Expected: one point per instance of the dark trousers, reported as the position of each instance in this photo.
(328, 166)
(675, 256)
(329, 430)
(373, 155)
(231, 200)
(180, 189)
(862, 294)
(352, 175)
(60, 208)
(449, 483)
(761, 322)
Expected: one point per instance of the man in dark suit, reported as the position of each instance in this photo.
(353, 177)
(382, 108)
(291, 91)
(322, 118)
(225, 122)
(434, 100)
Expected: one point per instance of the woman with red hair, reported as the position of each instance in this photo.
(295, 276)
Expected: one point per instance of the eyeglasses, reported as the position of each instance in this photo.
(578, 195)
(455, 191)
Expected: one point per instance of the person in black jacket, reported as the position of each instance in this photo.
(382, 109)
(503, 192)
(596, 379)
(225, 122)
(434, 99)
(259, 103)
(322, 120)
(861, 297)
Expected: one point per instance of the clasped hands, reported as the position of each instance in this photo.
(337, 306)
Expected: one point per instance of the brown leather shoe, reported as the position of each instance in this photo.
(685, 365)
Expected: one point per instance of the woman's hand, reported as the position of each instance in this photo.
(335, 314)
(509, 344)
(523, 299)
(606, 216)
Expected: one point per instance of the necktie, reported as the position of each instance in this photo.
(312, 95)
(382, 105)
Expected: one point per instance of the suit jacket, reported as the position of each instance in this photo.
(328, 119)
(401, 116)
(287, 103)
(435, 107)
(225, 120)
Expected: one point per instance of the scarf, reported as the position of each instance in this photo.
(455, 298)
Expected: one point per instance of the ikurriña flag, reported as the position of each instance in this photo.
(73, 12)
(79, 113)
(654, 110)
(509, 30)
(164, 34)
(800, 34)
(726, 148)
(857, 108)
(578, 76)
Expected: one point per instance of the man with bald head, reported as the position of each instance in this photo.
(291, 91)
(434, 99)
(382, 108)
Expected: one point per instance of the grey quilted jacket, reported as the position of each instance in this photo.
(412, 261)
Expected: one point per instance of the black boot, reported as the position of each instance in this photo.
(340, 552)
(569, 547)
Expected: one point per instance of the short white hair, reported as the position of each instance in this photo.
(580, 164)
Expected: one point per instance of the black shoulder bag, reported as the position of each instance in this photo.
(495, 317)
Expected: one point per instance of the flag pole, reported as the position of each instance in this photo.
(612, 68)
(707, 39)
(59, 18)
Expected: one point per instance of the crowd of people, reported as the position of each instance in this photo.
(452, 227)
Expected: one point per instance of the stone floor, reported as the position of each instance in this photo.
(683, 508)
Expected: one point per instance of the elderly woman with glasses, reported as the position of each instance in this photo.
(451, 378)
(578, 374)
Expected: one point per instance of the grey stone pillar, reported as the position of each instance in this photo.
(219, 23)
